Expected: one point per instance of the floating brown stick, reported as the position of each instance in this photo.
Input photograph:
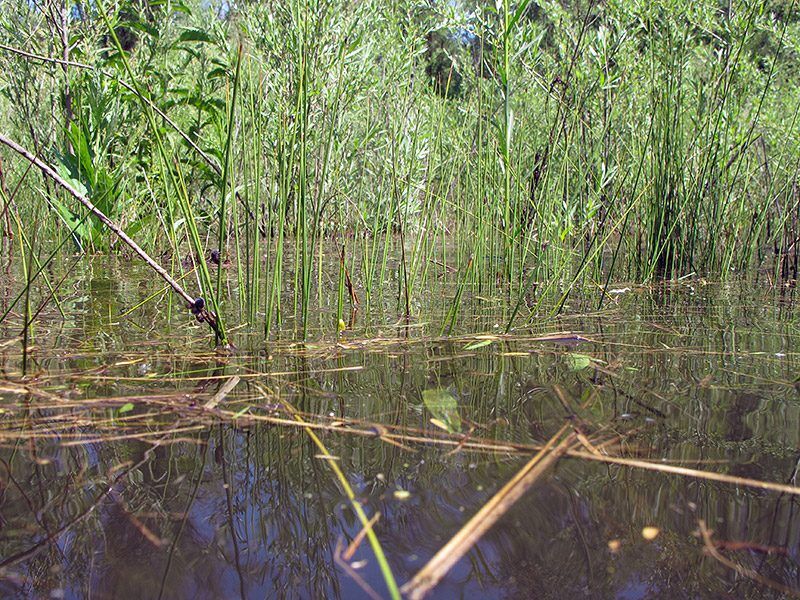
(197, 305)
(461, 543)
(223, 392)
(737, 545)
(711, 550)
(340, 560)
(686, 472)
(353, 546)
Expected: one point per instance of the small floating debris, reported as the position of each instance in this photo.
(562, 337)
(478, 344)
(326, 457)
(650, 533)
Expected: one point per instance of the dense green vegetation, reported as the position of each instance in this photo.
(534, 146)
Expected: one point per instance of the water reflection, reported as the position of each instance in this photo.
(181, 505)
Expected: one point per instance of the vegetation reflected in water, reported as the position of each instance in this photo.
(125, 471)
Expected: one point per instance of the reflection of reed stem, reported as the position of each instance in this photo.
(366, 524)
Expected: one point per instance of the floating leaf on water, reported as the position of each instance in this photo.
(402, 494)
(650, 533)
(476, 345)
(578, 362)
(440, 424)
(127, 407)
(444, 408)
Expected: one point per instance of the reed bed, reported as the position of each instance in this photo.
(525, 148)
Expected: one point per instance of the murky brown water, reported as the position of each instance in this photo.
(117, 483)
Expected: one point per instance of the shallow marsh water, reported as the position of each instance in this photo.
(118, 483)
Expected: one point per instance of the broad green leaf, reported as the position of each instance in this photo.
(127, 407)
(195, 35)
(578, 362)
(65, 173)
(444, 408)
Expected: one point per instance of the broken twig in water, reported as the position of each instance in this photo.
(47, 170)
(711, 550)
(461, 543)
(687, 472)
(223, 392)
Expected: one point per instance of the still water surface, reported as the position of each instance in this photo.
(118, 479)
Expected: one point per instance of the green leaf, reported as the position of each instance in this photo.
(195, 35)
(66, 174)
(127, 407)
(444, 408)
(81, 230)
(218, 72)
(480, 344)
(516, 16)
(241, 412)
(578, 362)
(440, 424)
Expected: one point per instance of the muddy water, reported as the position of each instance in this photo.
(122, 477)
